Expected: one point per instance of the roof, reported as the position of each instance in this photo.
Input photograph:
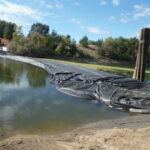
(4, 41)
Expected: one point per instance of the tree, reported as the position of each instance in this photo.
(54, 34)
(6, 33)
(84, 41)
(18, 33)
(91, 42)
(7, 29)
(40, 28)
(99, 43)
(68, 40)
(73, 48)
(35, 45)
(118, 48)
(132, 45)
(65, 46)
(2, 26)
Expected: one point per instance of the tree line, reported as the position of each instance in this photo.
(114, 48)
(7, 29)
(40, 42)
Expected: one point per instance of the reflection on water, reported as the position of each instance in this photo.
(29, 104)
(12, 72)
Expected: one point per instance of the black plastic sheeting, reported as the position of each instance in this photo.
(112, 90)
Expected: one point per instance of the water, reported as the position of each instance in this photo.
(30, 104)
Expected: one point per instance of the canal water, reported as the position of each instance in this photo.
(30, 104)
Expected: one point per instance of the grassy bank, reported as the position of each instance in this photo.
(115, 68)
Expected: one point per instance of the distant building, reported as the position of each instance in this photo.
(5, 48)
(4, 43)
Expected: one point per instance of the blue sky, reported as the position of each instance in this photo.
(98, 19)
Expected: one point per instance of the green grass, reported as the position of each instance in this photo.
(120, 69)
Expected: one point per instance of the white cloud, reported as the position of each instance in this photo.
(103, 2)
(76, 21)
(49, 6)
(14, 18)
(82, 27)
(77, 4)
(96, 30)
(147, 26)
(125, 17)
(43, 2)
(116, 2)
(141, 11)
(111, 18)
(11, 8)
(59, 5)
(18, 13)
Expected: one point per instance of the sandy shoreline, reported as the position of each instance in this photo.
(127, 133)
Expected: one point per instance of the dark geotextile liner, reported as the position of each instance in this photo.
(114, 91)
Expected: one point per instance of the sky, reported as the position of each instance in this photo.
(98, 19)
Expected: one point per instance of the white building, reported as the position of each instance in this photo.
(4, 43)
(5, 48)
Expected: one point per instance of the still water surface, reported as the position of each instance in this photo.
(30, 104)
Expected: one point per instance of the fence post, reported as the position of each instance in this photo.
(139, 72)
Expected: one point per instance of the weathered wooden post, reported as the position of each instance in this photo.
(139, 72)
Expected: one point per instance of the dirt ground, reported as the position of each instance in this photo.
(129, 133)
(110, 139)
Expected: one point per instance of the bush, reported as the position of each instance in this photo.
(84, 41)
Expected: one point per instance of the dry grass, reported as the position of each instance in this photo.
(91, 50)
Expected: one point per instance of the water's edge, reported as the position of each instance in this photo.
(25, 60)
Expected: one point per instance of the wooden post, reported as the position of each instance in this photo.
(139, 72)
